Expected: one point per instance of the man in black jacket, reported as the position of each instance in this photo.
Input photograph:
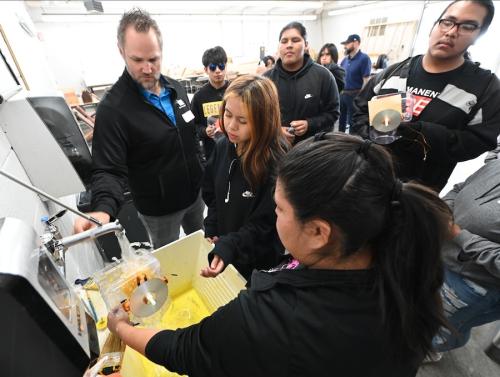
(308, 94)
(456, 116)
(144, 136)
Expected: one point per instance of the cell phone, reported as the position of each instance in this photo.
(211, 120)
(291, 130)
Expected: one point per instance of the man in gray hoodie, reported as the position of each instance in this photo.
(471, 291)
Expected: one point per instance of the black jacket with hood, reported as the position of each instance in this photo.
(290, 323)
(460, 124)
(310, 94)
(242, 217)
(136, 141)
(339, 73)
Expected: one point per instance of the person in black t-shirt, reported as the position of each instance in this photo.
(207, 101)
(426, 86)
(456, 116)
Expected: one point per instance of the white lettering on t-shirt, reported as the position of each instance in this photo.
(423, 92)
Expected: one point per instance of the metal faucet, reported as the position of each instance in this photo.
(91, 234)
(52, 240)
(57, 246)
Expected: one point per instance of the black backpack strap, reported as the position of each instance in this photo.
(389, 72)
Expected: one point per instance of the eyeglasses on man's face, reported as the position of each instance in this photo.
(213, 66)
(462, 27)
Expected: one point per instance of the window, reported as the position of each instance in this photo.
(377, 27)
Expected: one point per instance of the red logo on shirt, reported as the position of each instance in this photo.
(420, 104)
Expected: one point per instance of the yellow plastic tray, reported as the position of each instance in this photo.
(192, 297)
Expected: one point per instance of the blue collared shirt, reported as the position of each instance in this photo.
(162, 102)
(356, 68)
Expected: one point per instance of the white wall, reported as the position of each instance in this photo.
(27, 48)
(87, 51)
(81, 51)
(335, 29)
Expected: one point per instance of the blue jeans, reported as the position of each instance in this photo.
(466, 305)
(165, 229)
(346, 110)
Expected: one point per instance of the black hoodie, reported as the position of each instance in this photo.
(310, 94)
(243, 218)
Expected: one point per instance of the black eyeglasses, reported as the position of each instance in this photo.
(462, 27)
(213, 66)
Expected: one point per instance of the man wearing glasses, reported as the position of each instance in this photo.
(207, 101)
(456, 116)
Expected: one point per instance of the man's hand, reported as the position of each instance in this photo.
(215, 268)
(410, 130)
(300, 126)
(210, 130)
(82, 224)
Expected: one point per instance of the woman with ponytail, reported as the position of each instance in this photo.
(372, 222)
(359, 295)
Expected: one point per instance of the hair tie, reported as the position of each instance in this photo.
(397, 189)
(319, 136)
(364, 146)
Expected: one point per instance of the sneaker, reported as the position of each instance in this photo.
(433, 357)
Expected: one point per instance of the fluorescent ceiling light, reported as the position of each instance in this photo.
(172, 7)
(166, 5)
(235, 17)
(177, 17)
(366, 6)
(80, 18)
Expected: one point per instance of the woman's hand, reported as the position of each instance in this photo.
(215, 268)
(290, 137)
(116, 317)
(213, 239)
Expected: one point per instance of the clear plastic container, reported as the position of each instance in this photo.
(385, 123)
(118, 281)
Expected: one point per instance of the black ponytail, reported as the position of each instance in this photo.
(351, 183)
(409, 266)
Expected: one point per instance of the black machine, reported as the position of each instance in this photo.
(46, 331)
(57, 116)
